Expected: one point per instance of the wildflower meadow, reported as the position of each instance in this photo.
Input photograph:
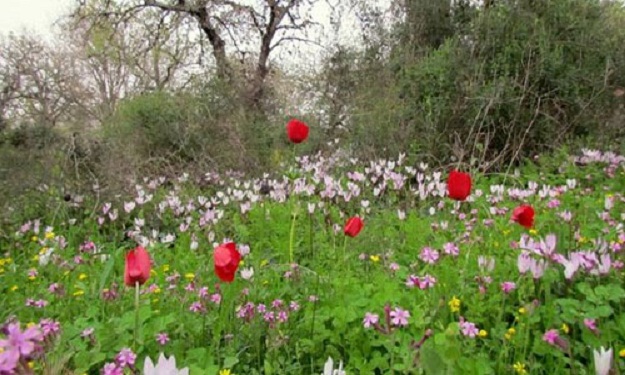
(337, 266)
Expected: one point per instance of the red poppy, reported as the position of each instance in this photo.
(297, 131)
(138, 267)
(227, 259)
(459, 185)
(354, 226)
(524, 215)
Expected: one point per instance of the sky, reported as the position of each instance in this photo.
(35, 15)
(38, 16)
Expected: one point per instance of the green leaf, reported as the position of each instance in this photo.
(229, 362)
(107, 270)
(604, 311)
(612, 292)
(431, 361)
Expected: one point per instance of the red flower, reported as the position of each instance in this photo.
(524, 215)
(297, 131)
(227, 260)
(354, 226)
(138, 267)
(459, 185)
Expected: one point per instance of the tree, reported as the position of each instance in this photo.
(118, 58)
(255, 28)
(36, 81)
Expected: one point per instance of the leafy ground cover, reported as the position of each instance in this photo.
(383, 266)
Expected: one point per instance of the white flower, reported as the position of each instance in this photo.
(328, 369)
(603, 361)
(44, 257)
(163, 367)
(247, 273)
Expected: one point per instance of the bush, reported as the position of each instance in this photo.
(523, 77)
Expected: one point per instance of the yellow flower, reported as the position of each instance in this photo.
(241, 262)
(2, 262)
(565, 328)
(79, 293)
(522, 311)
(165, 267)
(1, 270)
(622, 353)
(82, 276)
(454, 304)
(156, 290)
(582, 239)
(30, 324)
(533, 232)
(375, 258)
(520, 368)
(34, 238)
(511, 331)
(31, 364)
(14, 288)
(505, 232)
(49, 235)
(225, 372)
(482, 333)
(31, 278)
(189, 276)
(35, 258)
(153, 272)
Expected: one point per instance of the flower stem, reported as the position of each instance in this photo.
(292, 236)
(310, 235)
(136, 316)
(344, 252)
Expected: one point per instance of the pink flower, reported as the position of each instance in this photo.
(538, 268)
(112, 369)
(400, 317)
(126, 358)
(162, 338)
(450, 248)
(429, 255)
(8, 361)
(49, 327)
(216, 298)
(370, 320)
(551, 336)
(22, 342)
(412, 281)
(469, 329)
(283, 316)
(524, 262)
(508, 286)
(591, 324)
(427, 281)
(197, 307)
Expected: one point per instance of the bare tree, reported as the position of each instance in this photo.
(255, 27)
(117, 58)
(36, 79)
